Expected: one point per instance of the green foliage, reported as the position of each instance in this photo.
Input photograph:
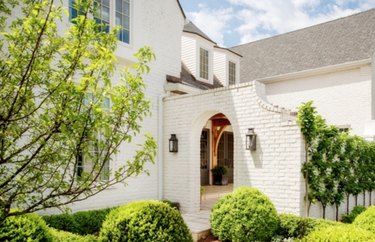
(340, 233)
(63, 82)
(145, 221)
(293, 226)
(29, 227)
(338, 164)
(349, 218)
(219, 170)
(175, 205)
(246, 214)
(85, 222)
(366, 220)
(63, 236)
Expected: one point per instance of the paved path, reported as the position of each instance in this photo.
(199, 223)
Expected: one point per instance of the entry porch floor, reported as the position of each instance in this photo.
(199, 223)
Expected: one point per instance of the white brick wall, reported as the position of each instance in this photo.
(342, 97)
(151, 25)
(274, 168)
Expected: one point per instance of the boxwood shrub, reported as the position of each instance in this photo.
(349, 218)
(85, 222)
(28, 227)
(246, 214)
(366, 220)
(341, 233)
(63, 236)
(293, 226)
(145, 221)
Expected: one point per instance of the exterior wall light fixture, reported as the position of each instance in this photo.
(251, 140)
(173, 144)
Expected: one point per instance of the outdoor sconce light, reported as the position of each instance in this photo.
(173, 143)
(251, 140)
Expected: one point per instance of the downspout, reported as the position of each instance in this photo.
(160, 133)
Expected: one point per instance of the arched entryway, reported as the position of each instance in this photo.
(216, 159)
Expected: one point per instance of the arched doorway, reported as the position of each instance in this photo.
(216, 159)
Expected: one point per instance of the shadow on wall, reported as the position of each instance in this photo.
(257, 155)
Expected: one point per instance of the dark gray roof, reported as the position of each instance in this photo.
(342, 40)
(192, 28)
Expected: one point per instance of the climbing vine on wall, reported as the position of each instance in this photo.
(337, 164)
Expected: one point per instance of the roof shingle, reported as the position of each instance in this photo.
(339, 41)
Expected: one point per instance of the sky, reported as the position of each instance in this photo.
(234, 22)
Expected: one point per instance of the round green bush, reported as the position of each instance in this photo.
(28, 227)
(340, 233)
(366, 220)
(145, 221)
(349, 218)
(246, 214)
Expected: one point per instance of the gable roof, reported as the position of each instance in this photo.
(339, 41)
(193, 29)
(182, 11)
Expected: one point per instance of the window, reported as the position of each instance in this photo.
(86, 161)
(123, 19)
(109, 13)
(102, 15)
(203, 73)
(232, 73)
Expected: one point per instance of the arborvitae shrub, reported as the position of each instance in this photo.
(366, 220)
(341, 233)
(246, 214)
(28, 227)
(357, 210)
(145, 221)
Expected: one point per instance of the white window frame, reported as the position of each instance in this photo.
(232, 82)
(203, 72)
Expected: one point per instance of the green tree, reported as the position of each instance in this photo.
(54, 119)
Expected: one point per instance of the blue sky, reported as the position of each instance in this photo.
(233, 22)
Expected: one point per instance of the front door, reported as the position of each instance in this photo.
(205, 164)
(225, 153)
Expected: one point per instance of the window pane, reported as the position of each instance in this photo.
(126, 22)
(105, 14)
(123, 19)
(126, 8)
(119, 6)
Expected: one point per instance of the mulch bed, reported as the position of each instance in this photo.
(209, 238)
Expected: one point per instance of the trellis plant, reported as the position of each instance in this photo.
(337, 164)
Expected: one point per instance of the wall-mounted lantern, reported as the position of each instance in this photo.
(173, 144)
(251, 140)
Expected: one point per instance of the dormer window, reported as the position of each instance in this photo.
(203, 70)
(232, 73)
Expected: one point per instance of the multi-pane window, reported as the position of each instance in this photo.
(107, 13)
(102, 14)
(123, 19)
(232, 73)
(203, 70)
(86, 161)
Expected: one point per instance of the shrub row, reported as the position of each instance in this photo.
(137, 221)
(83, 223)
(248, 215)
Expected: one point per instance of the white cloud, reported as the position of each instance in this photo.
(213, 22)
(262, 19)
(257, 19)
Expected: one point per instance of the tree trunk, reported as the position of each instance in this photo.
(337, 211)
(324, 210)
(364, 198)
(307, 203)
(369, 200)
(347, 203)
(356, 199)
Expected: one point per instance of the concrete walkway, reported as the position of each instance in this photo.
(199, 223)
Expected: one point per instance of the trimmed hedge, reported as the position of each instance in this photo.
(293, 226)
(246, 214)
(366, 220)
(63, 236)
(83, 223)
(357, 210)
(28, 227)
(341, 233)
(145, 221)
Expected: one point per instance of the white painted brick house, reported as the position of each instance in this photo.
(209, 96)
